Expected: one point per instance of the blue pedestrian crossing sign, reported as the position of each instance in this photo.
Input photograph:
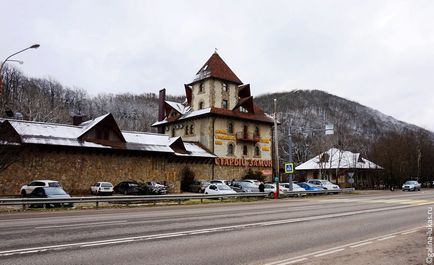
(289, 168)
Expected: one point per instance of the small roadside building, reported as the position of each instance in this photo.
(95, 150)
(344, 168)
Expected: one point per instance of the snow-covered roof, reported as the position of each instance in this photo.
(181, 108)
(69, 135)
(187, 115)
(336, 158)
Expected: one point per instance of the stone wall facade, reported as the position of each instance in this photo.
(78, 169)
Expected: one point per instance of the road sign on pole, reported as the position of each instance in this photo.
(289, 168)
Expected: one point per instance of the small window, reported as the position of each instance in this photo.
(201, 105)
(192, 129)
(173, 132)
(225, 104)
(242, 109)
(257, 151)
(245, 151)
(257, 131)
(201, 88)
(230, 149)
(225, 87)
(186, 130)
(230, 128)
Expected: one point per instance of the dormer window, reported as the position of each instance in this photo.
(242, 109)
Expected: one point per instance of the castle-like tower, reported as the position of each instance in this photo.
(219, 113)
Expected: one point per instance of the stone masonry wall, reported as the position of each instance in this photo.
(78, 170)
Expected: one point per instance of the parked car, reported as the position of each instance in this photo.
(411, 185)
(242, 186)
(253, 181)
(102, 188)
(309, 186)
(325, 184)
(270, 188)
(28, 188)
(129, 187)
(219, 181)
(199, 186)
(219, 189)
(157, 187)
(51, 193)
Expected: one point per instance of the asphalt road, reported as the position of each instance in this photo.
(288, 231)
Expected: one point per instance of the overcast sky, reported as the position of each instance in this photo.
(378, 53)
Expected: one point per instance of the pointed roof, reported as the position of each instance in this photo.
(217, 68)
(338, 159)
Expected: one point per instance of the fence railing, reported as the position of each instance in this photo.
(151, 198)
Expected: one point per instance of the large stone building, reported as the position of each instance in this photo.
(81, 154)
(220, 115)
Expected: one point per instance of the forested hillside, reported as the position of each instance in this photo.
(404, 150)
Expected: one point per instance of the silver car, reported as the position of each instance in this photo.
(411, 185)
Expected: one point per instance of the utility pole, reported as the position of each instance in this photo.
(276, 152)
(290, 176)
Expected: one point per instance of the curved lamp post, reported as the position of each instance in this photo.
(34, 46)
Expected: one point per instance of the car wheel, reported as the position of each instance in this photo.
(23, 193)
(125, 192)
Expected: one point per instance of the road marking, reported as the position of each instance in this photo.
(81, 224)
(313, 254)
(385, 238)
(409, 232)
(330, 252)
(361, 244)
(217, 229)
(295, 261)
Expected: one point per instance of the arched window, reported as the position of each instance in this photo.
(257, 151)
(192, 129)
(201, 105)
(230, 149)
(230, 127)
(245, 151)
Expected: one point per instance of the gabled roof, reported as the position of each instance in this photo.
(108, 119)
(338, 159)
(215, 67)
(69, 136)
(178, 107)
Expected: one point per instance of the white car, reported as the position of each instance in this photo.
(28, 188)
(411, 185)
(271, 188)
(253, 181)
(219, 189)
(101, 188)
(325, 184)
(295, 187)
(218, 181)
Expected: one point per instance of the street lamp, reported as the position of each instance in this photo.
(34, 46)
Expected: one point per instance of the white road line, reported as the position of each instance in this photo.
(385, 238)
(218, 229)
(409, 232)
(81, 224)
(295, 261)
(361, 244)
(282, 262)
(330, 252)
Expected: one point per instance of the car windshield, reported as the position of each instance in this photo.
(55, 191)
(223, 187)
(106, 185)
(410, 182)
